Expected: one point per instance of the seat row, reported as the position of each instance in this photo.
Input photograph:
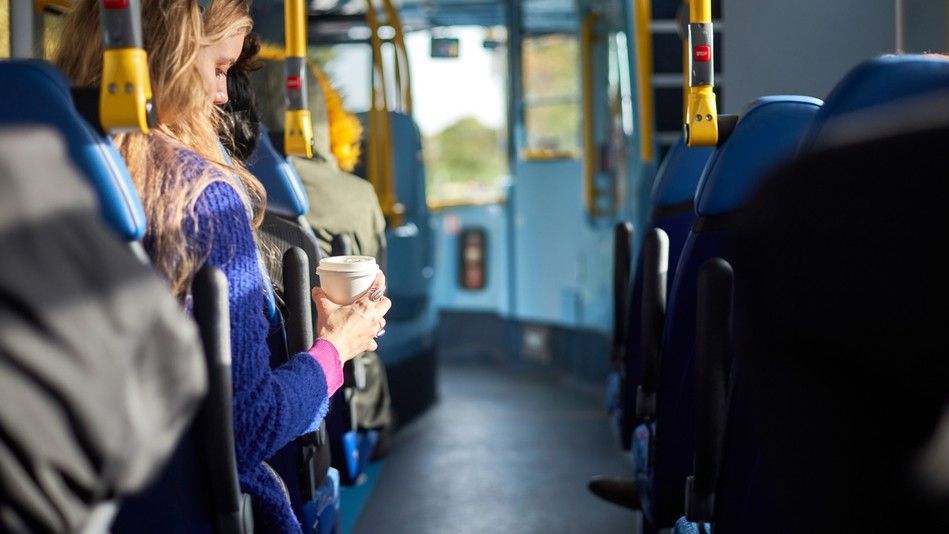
(699, 355)
(198, 489)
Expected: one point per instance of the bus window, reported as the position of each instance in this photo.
(349, 67)
(551, 66)
(460, 108)
(4, 28)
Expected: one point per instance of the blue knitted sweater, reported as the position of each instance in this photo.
(271, 407)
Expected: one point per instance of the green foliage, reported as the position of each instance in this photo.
(465, 160)
(551, 66)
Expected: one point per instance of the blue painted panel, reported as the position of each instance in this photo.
(493, 298)
(563, 266)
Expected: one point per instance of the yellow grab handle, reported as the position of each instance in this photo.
(125, 96)
(298, 133)
(701, 120)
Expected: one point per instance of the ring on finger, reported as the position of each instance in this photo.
(377, 294)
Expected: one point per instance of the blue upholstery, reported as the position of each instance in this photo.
(285, 193)
(684, 526)
(642, 440)
(327, 505)
(675, 186)
(35, 92)
(768, 132)
(879, 81)
(679, 174)
(407, 166)
(753, 488)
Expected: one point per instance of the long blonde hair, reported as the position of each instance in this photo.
(174, 31)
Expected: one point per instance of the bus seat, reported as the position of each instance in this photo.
(768, 132)
(673, 212)
(880, 81)
(327, 508)
(100, 372)
(285, 227)
(198, 491)
(285, 194)
(840, 377)
(285, 223)
(35, 92)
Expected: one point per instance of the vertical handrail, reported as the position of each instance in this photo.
(379, 164)
(644, 59)
(899, 20)
(701, 121)
(403, 75)
(22, 26)
(590, 152)
(685, 64)
(298, 127)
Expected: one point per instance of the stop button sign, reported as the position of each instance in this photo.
(703, 53)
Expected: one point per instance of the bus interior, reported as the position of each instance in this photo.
(654, 266)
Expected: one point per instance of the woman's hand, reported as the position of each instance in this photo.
(352, 329)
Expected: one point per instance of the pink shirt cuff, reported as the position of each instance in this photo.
(326, 355)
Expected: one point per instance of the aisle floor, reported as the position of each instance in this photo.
(504, 450)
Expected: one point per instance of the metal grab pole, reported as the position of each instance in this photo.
(298, 128)
(701, 121)
(403, 76)
(590, 154)
(644, 64)
(379, 164)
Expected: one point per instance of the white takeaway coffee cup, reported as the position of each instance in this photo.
(346, 278)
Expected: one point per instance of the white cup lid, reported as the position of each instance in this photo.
(349, 265)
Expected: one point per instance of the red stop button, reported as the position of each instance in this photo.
(294, 83)
(703, 53)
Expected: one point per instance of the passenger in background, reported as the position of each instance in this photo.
(201, 209)
(240, 120)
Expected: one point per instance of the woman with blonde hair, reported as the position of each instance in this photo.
(201, 209)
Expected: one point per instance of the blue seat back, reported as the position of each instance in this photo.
(746, 495)
(766, 129)
(673, 212)
(880, 81)
(410, 248)
(769, 132)
(33, 92)
(285, 193)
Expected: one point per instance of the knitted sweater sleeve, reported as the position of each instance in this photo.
(271, 407)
